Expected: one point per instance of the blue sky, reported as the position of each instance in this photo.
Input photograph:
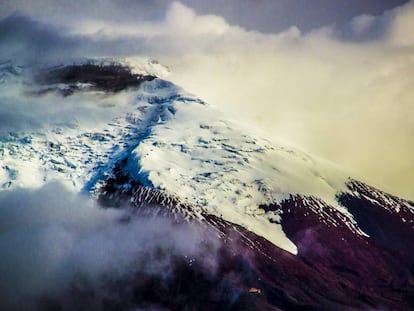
(276, 15)
(261, 15)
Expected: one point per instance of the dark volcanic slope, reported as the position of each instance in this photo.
(337, 266)
(387, 219)
(108, 78)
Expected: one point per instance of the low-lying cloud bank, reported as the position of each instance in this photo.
(55, 244)
(344, 94)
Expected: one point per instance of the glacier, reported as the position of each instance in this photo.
(170, 140)
(267, 225)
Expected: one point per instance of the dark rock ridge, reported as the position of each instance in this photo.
(109, 78)
(387, 219)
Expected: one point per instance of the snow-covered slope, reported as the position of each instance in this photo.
(291, 232)
(172, 141)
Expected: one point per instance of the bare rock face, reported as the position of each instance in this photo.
(362, 272)
(387, 219)
(109, 78)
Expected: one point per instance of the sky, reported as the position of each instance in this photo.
(267, 16)
(333, 78)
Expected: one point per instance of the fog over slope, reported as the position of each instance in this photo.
(344, 93)
(53, 241)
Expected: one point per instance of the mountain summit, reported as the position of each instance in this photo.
(295, 232)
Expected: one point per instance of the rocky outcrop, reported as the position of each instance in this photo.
(109, 78)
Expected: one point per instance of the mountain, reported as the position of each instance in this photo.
(295, 232)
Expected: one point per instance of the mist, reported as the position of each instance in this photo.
(341, 92)
(22, 110)
(54, 243)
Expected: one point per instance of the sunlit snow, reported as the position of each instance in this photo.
(172, 141)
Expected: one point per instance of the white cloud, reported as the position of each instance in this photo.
(184, 20)
(401, 29)
(344, 96)
(362, 23)
(344, 100)
(52, 242)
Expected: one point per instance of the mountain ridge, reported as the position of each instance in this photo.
(299, 231)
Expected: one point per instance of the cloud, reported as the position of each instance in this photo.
(340, 93)
(400, 32)
(262, 15)
(347, 99)
(22, 110)
(52, 241)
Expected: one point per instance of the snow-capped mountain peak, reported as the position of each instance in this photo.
(291, 229)
(169, 140)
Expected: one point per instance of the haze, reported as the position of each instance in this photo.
(334, 79)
